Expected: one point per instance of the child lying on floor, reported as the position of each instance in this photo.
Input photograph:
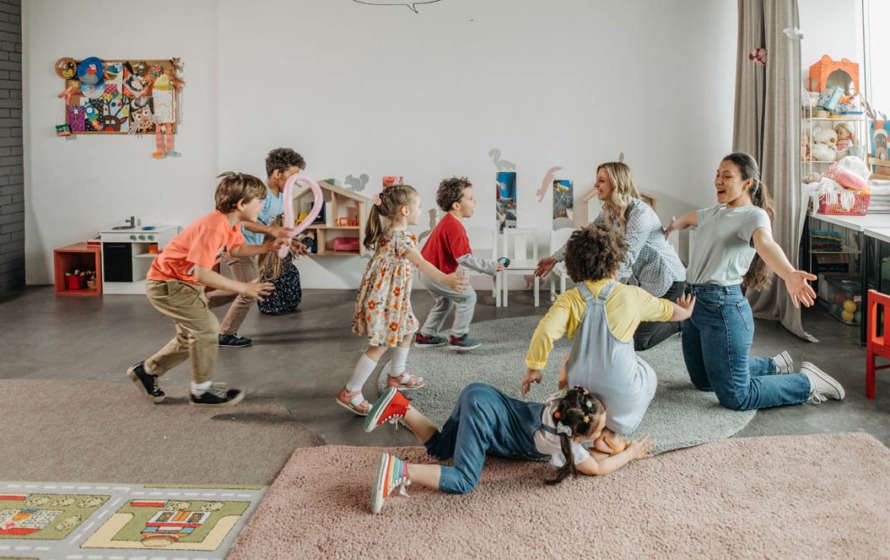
(486, 420)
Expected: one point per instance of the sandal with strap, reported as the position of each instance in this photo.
(405, 381)
(344, 399)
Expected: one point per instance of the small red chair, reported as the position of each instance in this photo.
(876, 345)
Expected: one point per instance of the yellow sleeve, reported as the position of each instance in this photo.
(627, 306)
(564, 316)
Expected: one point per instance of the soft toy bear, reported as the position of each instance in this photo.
(824, 147)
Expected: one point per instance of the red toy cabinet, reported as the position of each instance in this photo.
(79, 256)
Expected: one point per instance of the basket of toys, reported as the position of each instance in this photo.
(859, 208)
(843, 188)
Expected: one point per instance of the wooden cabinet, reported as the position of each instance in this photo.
(79, 256)
(345, 215)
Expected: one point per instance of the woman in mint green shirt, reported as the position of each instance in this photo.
(733, 248)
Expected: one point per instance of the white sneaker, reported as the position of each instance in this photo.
(784, 363)
(822, 385)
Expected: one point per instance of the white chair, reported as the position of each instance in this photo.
(484, 242)
(558, 238)
(521, 247)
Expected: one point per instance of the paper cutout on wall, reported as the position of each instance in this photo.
(500, 164)
(545, 184)
(563, 204)
(433, 218)
(356, 184)
(506, 199)
(410, 5)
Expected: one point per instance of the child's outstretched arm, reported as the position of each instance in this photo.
(685, 221)
(479, 265)
(254, 289)
(683, 308)
(278, 232)
(251, 250)
(637, 449)
(550, 328)
(457, 281)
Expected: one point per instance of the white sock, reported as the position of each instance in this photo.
(199, 389)
(363, 369)
(399, 357)
(146, 368)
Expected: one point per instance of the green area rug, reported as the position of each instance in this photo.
(85, 521)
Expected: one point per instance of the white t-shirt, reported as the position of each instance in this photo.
(548, 444)
(724, 245)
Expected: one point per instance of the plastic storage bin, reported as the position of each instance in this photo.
(842, 297)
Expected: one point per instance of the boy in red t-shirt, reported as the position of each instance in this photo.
(446, 248)
(175, 287)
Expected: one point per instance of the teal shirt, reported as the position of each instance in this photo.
(273, 206)
(724, 244)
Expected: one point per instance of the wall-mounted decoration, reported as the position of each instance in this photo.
(506, 199)
(563, 204)
(122, 97)
(545, 184)
(500, 164)
(408, 4)
(356, 184)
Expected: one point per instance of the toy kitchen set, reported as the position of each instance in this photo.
(127, 254)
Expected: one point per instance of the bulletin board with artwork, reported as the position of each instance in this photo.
(120, 97)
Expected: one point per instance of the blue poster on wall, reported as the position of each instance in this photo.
(506, 199)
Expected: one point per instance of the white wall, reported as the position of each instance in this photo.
(832, 27)
(385, 91)
(77, 185)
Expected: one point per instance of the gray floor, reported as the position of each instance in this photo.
(303, 359)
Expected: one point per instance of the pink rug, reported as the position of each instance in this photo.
(823, 496)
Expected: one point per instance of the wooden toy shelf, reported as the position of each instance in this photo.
(339, 204)
(79, 256)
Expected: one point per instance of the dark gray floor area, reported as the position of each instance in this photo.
(303, 359)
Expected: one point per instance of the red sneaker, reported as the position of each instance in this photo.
(391, 406)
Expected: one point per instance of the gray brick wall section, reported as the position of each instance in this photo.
(12, 173)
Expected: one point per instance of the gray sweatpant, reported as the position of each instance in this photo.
(444, 299)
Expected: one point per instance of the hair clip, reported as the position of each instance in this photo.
(586, 419)
(589, 404)
(376, 200)
(563, 429)
(557, 415)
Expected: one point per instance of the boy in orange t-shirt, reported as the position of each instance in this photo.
(175, 287)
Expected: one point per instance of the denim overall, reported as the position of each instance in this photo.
(603, 364)
(484, 420)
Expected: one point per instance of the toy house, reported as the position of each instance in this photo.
(342, 231)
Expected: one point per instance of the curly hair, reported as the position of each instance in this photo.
(594, 253)
(283, 158)
(580, 411)
(450, 191)
(234, 187)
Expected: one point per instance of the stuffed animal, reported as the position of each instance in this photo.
(824, 147)
(850, 172)
(804, 146)
(845, 139)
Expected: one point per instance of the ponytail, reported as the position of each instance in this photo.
(384, 210)
(578, 413)
(758, 275)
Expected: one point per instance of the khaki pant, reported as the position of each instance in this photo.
(197, 329)
(244, 269)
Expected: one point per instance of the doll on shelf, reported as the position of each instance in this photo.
(845, 139)
(804, 146)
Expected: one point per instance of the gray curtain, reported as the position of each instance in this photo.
(767, 126)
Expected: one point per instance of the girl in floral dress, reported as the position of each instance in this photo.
(383, 306)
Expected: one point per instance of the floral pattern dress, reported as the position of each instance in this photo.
(383, 306)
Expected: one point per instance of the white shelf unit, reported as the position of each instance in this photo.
(809, 124)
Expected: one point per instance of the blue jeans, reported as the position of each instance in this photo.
(716, 342)
(483, 420)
